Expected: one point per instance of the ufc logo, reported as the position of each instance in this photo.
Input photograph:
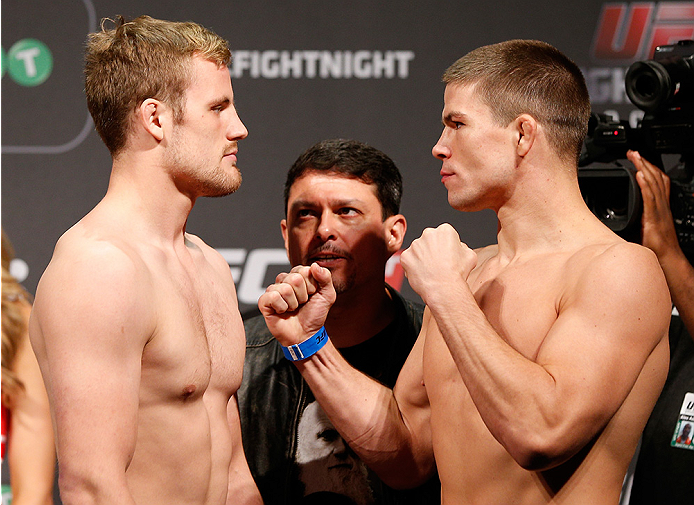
(631, 32)
(253, 270)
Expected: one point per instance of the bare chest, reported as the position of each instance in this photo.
(199, 343)
(521, 302)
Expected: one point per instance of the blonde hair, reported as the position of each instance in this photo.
(529, 77)
(140, 59)
(13, 323)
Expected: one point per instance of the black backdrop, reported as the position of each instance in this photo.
(55, 168)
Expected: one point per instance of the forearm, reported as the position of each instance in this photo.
(32, 461)
(369, 418)
(519, 400)
(390, 433)
(31, 453)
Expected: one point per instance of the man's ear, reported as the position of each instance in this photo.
(285, 234)
(152, 115)
(396, 226)
(526, 130)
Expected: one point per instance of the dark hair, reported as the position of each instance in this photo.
(140, 59)
(354, 159)
(529, 77)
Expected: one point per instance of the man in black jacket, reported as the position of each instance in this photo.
(342, 202)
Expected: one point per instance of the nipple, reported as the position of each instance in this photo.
(188, 391)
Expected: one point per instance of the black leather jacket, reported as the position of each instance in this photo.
(273, 395)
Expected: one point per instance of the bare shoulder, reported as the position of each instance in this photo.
(622, 263)
(94, 280)
(92, 259)
(621, 280)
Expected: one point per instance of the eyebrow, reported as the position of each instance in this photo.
(335, 203)
(222, 101)
(448, 118)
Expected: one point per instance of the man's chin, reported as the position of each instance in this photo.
(342, 285)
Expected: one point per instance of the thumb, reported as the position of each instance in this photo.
(322, 276)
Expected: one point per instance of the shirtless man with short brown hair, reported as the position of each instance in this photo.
(136, 324)
(540, 357)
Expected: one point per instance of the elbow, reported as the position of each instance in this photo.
(75, 488)
(535, 460)
(538, 452)
(72, 490)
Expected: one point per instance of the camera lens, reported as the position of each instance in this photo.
(648, 85)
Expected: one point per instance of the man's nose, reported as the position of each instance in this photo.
(326, 227)
(236, 130)
(441, 149)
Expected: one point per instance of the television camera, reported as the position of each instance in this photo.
(664, 89)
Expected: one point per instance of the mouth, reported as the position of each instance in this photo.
(232, 150)
(231, 157)
(445, 175)
(327, 258)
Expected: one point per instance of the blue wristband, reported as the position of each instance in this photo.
(308, 347)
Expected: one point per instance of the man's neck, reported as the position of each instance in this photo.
(357, 317)
(548, 213)
(150, 196)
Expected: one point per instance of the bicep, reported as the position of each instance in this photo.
(603, 335)
(91, 329)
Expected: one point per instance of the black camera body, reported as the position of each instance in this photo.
(664, 89)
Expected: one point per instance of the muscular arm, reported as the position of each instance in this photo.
(659, 235)
(31, 452)
(389, 430)
(545, 408)
(89, 327)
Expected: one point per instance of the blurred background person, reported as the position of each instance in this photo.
(27, 435)
(664, 466)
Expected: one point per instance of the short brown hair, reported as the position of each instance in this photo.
(352, 159)
(140, 59)
(533, 77)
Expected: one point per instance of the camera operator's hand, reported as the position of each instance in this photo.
(657, 225)
(659, 235)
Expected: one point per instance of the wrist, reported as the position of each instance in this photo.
(307, 348)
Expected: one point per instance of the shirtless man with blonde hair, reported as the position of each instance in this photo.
(540, 357)
(136, 324)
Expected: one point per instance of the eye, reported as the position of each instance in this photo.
(304, 213)
(219, 107)
(348, 211)
(457, 124)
